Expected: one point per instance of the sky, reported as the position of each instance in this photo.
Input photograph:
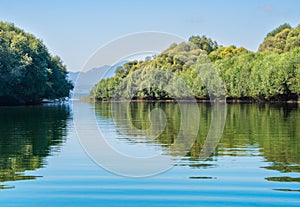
(75, 29)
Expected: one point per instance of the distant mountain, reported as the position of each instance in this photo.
(85, 81)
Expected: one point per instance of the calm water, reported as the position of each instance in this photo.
(256, 163)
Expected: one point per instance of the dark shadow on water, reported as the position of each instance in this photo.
(283, 179)
(283, 168)
(6, 187)
(28, 134)
(287, 190)
(202, 177)
(198, 165)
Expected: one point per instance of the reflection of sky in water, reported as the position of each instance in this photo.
(246, 170)
(135, 146)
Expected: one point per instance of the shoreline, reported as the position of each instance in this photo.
(229, 101)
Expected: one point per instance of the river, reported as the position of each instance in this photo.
(256, 161)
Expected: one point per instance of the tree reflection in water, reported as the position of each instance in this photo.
(28, 135)
(266, 130)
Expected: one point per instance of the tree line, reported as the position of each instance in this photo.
(271, 73)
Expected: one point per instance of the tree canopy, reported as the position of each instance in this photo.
(28, 73)
(271, 74)
(282, 39)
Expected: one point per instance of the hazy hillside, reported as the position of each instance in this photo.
(85, 81)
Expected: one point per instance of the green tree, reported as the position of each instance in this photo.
(204, 43)
(272, 73)
(279, 29)
(28, 73)
(282, 39)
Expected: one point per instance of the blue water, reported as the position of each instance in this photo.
(234, 176)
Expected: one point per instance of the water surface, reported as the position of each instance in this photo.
(256, 163)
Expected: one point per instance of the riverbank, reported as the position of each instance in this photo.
(227, 100)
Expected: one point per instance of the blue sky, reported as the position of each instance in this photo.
(74, 29)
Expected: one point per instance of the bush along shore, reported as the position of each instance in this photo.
(272, 74)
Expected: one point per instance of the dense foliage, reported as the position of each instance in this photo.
(282, 39)
(28, 73)
(272, 73)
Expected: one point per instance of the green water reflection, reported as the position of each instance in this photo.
(264, 130)
(27, 136)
